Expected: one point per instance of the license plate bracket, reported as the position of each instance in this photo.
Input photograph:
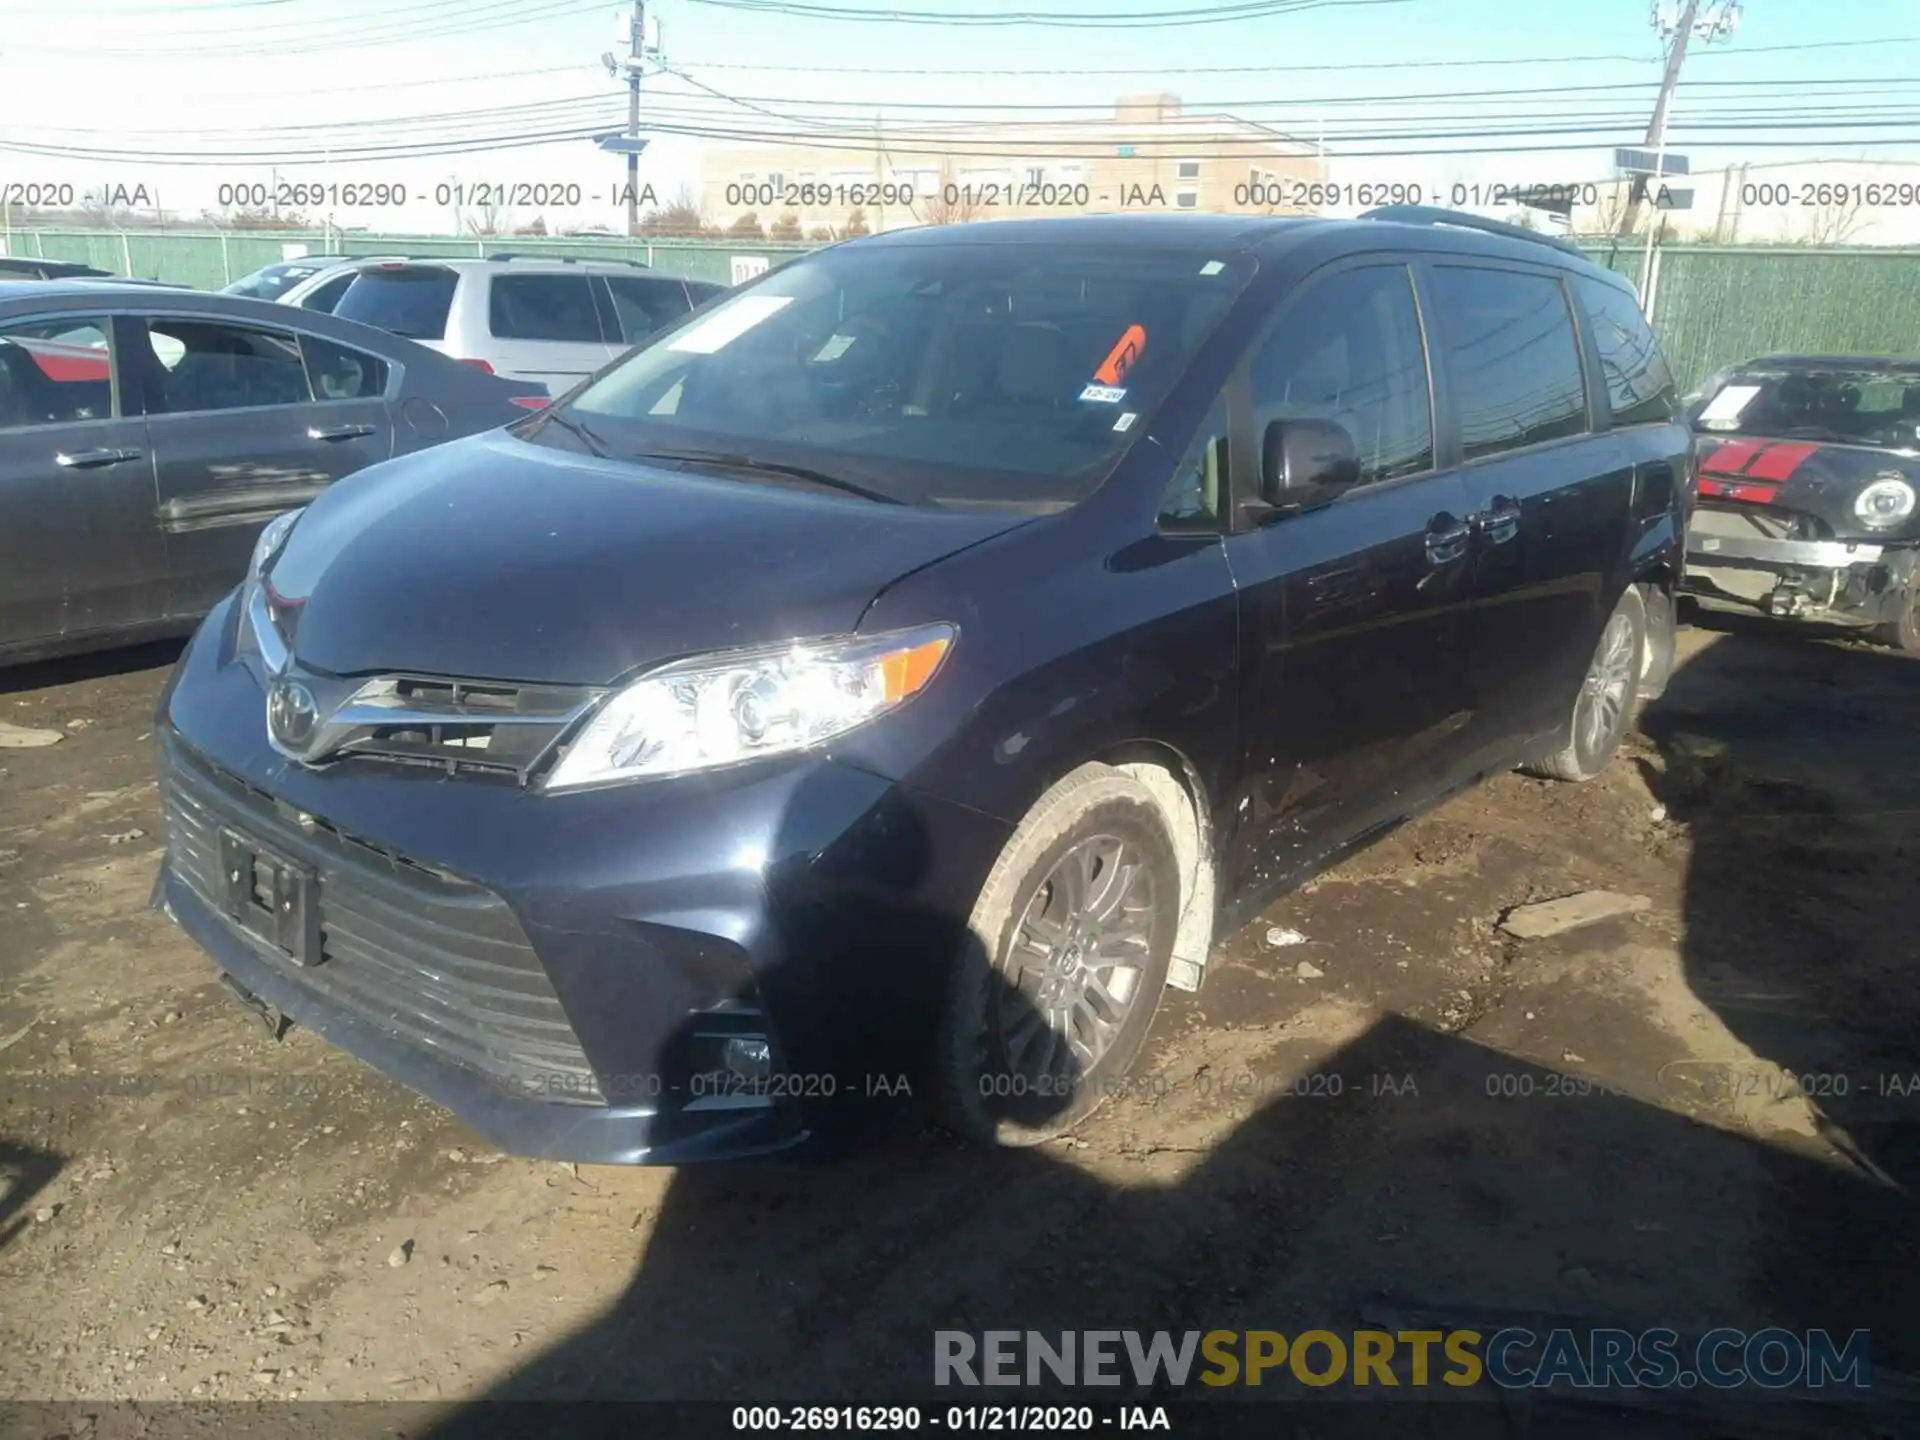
(271, 897)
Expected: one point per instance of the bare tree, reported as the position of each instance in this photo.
(1834, 223)
(938, 209)
(489, 219)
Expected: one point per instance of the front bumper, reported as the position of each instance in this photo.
(1837, 582)
(559, 970)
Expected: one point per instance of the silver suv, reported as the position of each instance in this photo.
(526, 317)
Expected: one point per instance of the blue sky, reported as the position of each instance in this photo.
(200, 76)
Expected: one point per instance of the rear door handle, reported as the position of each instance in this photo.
(94, 459)
(338, 432)
(1500, 521)
(1447, 539)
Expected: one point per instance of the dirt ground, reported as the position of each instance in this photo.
(1599, 1126)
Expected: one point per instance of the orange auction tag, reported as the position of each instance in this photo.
(1120, 359)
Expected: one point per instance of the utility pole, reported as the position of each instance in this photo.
(1720, 23)
(637, 52)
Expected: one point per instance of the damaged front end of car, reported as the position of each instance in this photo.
(1818, 533)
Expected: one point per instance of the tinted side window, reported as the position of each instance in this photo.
(211, 365)
(643, 306)
(327, 297)
(1513, 358)
(55, 372)
(543, 307)
(1349, 351)
(338, 373)
(1197, 494)
(412, 301)
(1638, 381)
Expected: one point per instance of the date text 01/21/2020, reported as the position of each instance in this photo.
(883, 1418)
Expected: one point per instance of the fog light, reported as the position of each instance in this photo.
(747, 1057)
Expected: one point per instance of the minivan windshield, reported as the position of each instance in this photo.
(1842, 406)
(958, 372)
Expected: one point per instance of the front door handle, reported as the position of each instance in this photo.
(1500, 521)
(94, 459)
(1447, 539)
(338, 432)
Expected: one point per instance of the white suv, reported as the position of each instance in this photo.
(526, 317)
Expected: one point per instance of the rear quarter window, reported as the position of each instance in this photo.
(1639, 384)
(543, 307)
(413, 301)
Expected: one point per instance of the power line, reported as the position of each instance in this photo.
(969, 72)
(1079, 20)
(460, 21)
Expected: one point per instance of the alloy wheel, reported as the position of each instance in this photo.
(1076, 960)
(1603, 695)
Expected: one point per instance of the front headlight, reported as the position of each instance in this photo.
(256, 621)
(1887, 501)
(738, 705)
(272, 536)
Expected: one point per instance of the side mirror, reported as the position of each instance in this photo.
(1306, 462)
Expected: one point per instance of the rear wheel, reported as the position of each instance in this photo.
(1073, 934)
(1604, 706)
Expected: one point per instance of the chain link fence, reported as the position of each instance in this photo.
(1713, 305)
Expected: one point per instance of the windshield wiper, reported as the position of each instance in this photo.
(595, 445)
(720, 460)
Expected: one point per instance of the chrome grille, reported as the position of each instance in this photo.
(454, 725)
(424, 955)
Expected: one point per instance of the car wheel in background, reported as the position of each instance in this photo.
(1904, 633)
(1605, 703)
(1072, 936)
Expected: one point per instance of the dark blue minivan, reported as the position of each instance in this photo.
(891, 678)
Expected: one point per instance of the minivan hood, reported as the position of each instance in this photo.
(491, 558)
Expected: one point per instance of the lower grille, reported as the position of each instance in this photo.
(432, 959)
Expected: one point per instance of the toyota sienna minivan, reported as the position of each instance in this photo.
(888, 681)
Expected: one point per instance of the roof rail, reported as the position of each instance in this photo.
(1434, 215)
(566, 259)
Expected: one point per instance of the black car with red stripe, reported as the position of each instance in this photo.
(1808, 468)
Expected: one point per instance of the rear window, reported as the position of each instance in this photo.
(409, 300)
(543, 307)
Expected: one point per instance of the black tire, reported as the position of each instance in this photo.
(1608, 696)
(1904, 633)
(982, 1091)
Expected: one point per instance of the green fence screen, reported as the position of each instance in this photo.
(1713, 305)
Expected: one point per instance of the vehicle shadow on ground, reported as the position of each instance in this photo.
(1784, 753)
(92, 665)
(25, 1171)
(1447, 1202)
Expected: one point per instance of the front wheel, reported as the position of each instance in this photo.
(1072, 936)
(1904, 633)
(1604, 706)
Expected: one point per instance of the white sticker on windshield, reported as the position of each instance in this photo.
(1125, 422)
(729, 323)
(836, 346)
(1723, 411)
(1103, 394)
(1212, 267)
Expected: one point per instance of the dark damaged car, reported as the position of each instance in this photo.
(887, 681)
(1808, 466)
